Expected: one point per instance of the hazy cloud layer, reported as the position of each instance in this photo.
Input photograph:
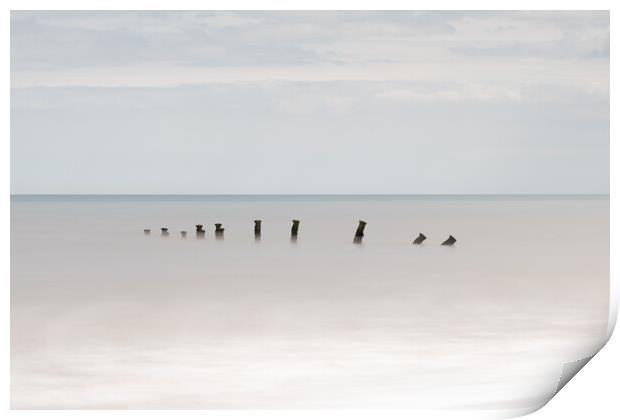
(310, 102)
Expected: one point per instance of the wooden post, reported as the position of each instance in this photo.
(147, 232)
(219, 231)
(450, 241)
(421, 238)
(200, 233)
(359, 233)
(294, 229)
(164, 231)
(183, 234)
(257, 227)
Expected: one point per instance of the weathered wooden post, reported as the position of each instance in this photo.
(421, 238)
(219, 231)
(164, 232)
(257, 226)
(359, 233)
(200, 233)
(450, 241)
(183, 234)
(294, 230)
(147, 232)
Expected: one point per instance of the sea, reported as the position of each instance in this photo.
(106, 317)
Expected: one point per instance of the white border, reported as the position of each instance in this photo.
(593, 394)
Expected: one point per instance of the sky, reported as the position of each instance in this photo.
(366, 102)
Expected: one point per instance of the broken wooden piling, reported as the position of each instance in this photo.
(147, 232)
(421, 238)
(183, 234)
(294, 229)
(219, 231)
(359, 233)
(450, 241)
(257, 227)
(200, 232)
(164, 231)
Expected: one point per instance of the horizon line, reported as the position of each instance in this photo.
(307, 194)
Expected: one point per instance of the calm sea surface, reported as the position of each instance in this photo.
(105, 317)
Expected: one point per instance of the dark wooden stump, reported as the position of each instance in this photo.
(219, 231)
(359, 233)
(295, 229)
(164, 232)
(147, 232)
(257, 227)
(449, 242)
(421, 238)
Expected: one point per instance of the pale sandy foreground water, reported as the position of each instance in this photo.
(103, 317)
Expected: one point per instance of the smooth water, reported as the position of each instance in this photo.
(105, 317)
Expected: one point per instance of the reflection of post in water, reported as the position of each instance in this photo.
(450, 241)
(164, 232)
(421, 238)
(359, 233)
(147, 232)
(183, 234)
(200, 233)
(294, 230)
(219, 231)
(257, 229)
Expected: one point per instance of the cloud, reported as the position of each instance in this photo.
(459, 93)
(488, 54)
(557, 35)
(78, 39)
(498, 80)
(376, 100)
(60, 40)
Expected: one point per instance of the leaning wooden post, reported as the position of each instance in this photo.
(164, 232)
(294, 230)
(219, 231)
(359, 233)
(257, 224)
(147, 232)
(450, 241)
(421, 238)
(200, 233)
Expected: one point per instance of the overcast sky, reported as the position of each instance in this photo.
(310, 102)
